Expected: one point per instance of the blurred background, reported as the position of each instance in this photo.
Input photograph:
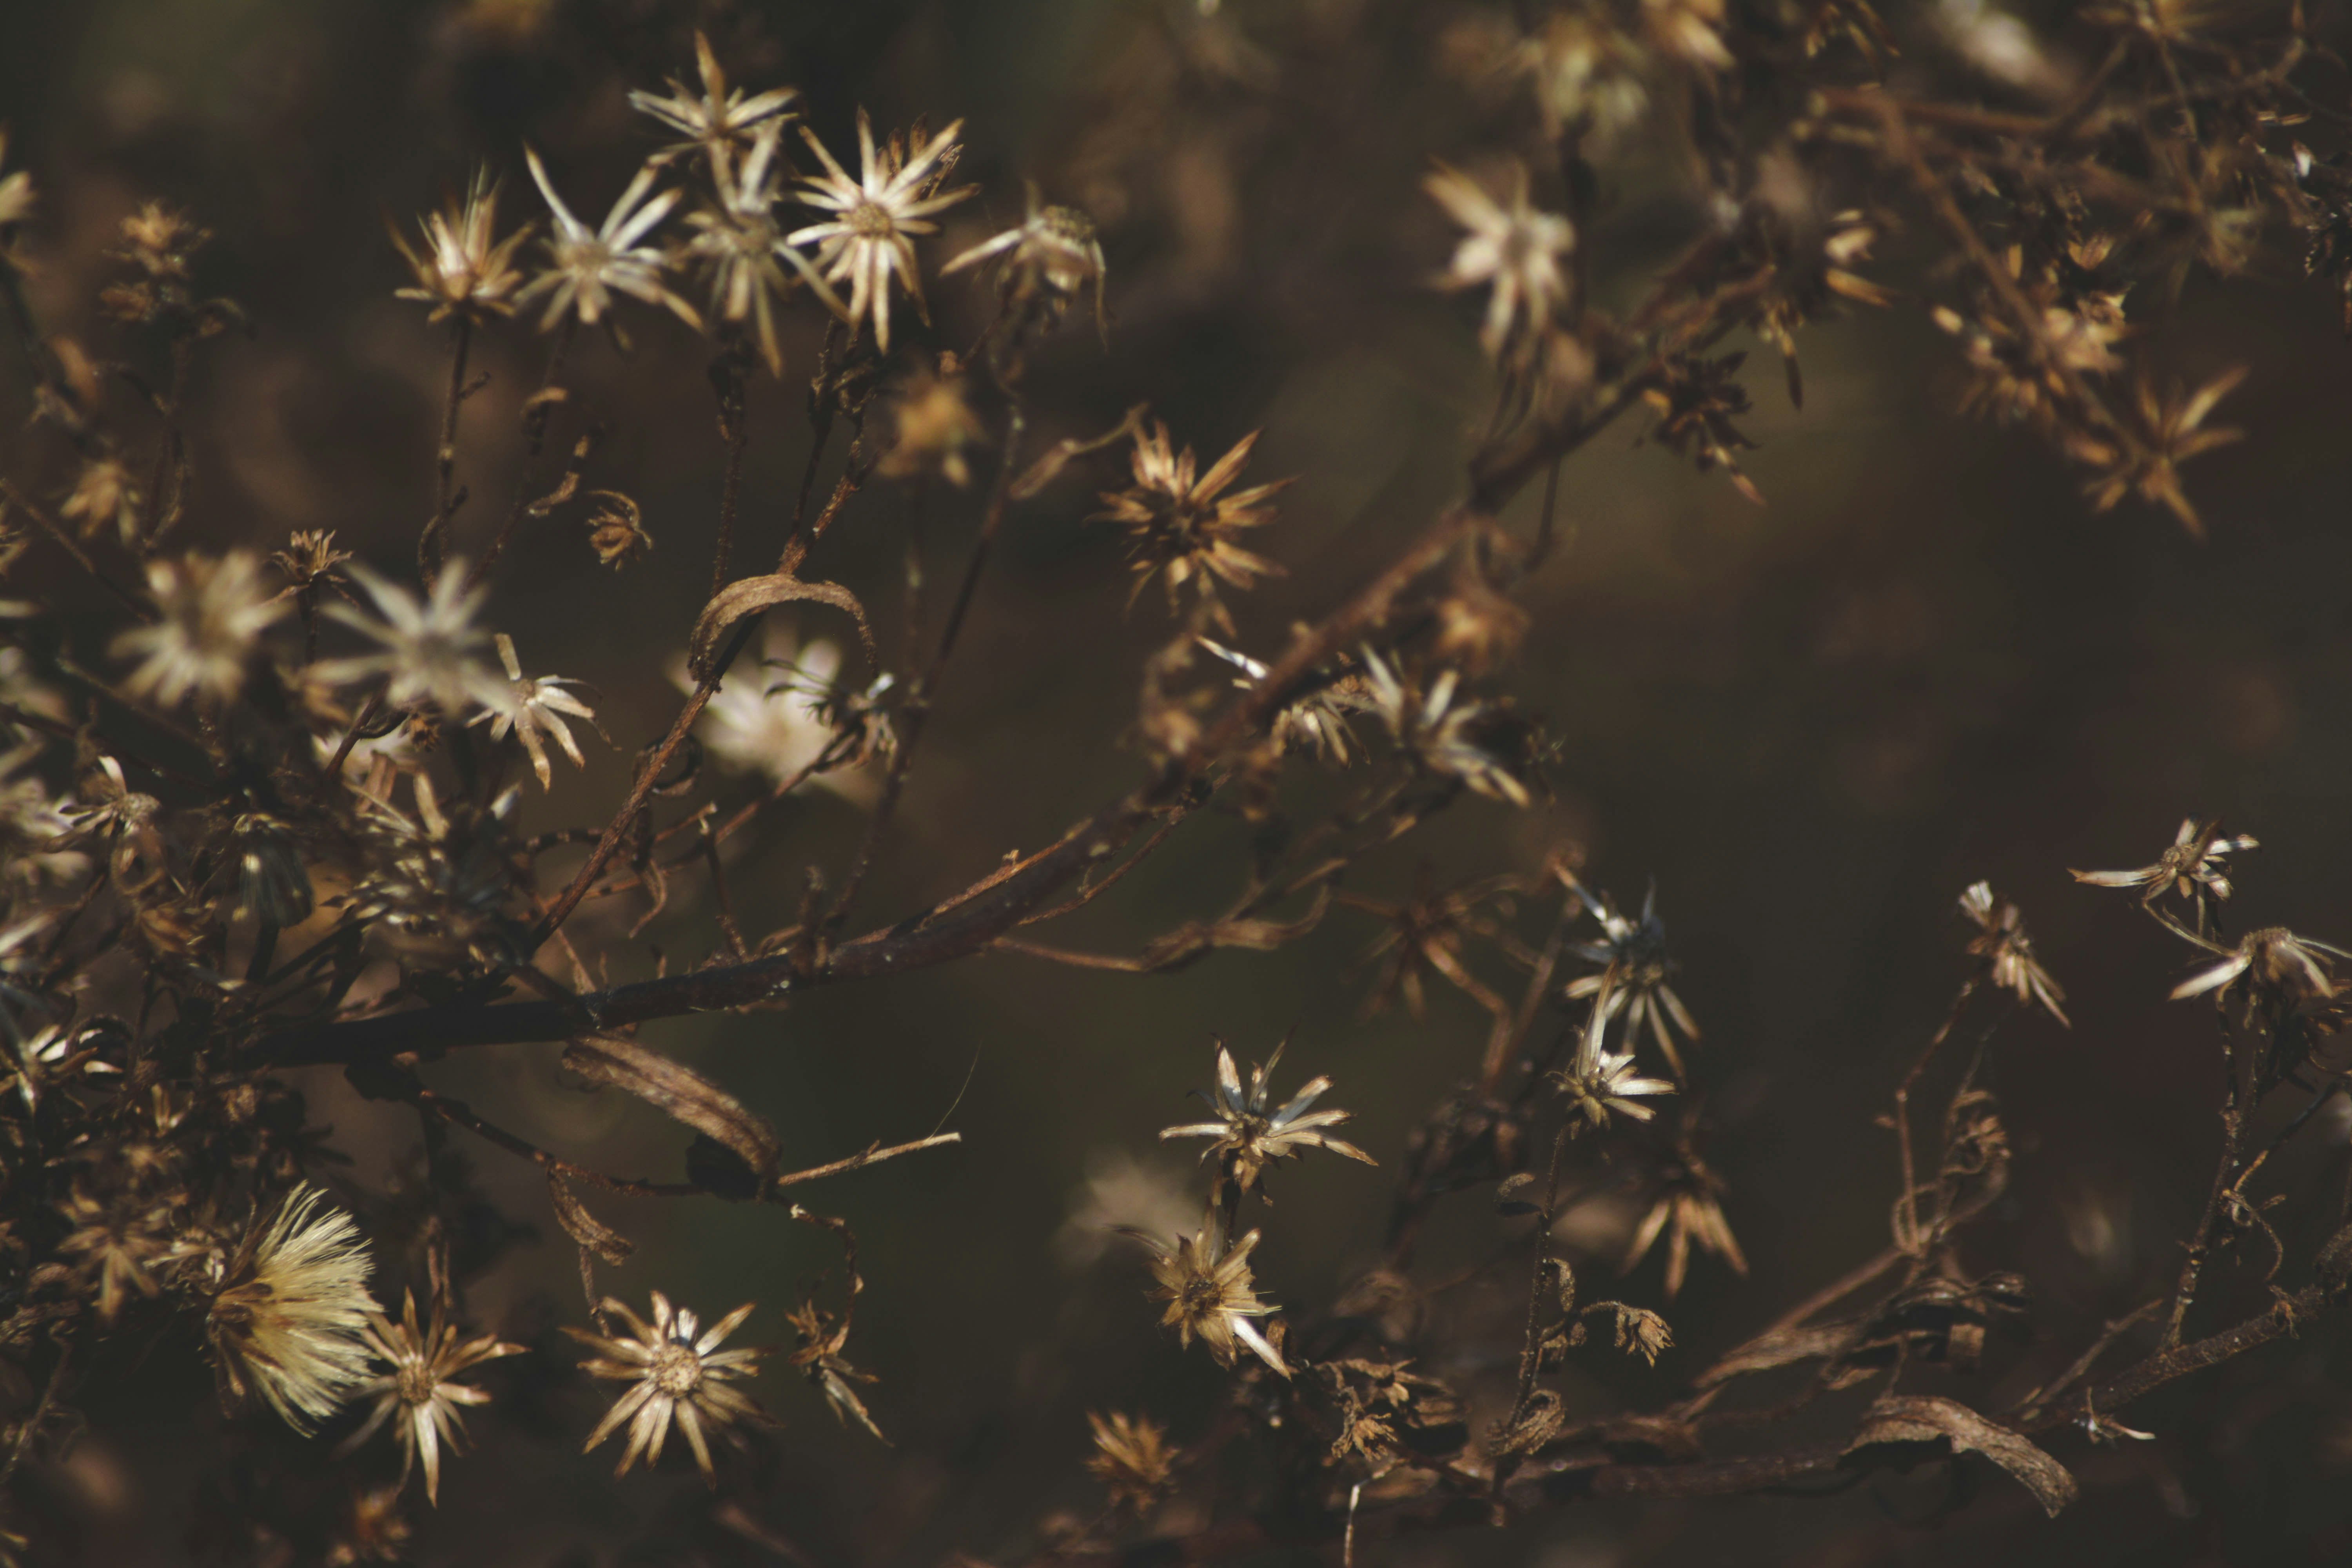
(1809, 725)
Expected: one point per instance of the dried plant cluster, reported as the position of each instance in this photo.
(267, 819)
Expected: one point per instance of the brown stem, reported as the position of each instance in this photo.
(445, 455)
(916, 714)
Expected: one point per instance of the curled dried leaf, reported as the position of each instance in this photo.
(1922, 1418)
(679, 1093)
(750, 596)
(585, 1228)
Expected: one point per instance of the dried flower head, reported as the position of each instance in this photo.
(291, 1307)
(868, 240)
(1048, 260)
(1131, 1458)
(1513, 248)
(104, 494)
(1249, 1137)
(1695, 400)
(211, 612)
(1319, 718)
(1586, 76)
(419, 1387)
(1441, 735)
(1688, 1209)
(717, 119)
(311, 557)
(936, 429)
(2192, 866)
(1185, 526)
(2008, 951)
(737, 242)
(1635, 976)
(587, 266)
(676, 1371)
(616, 529)
(428, 647)
(2168, 431)
(1426, 934)
(1210, 1293)
(2273, 960)
(823, 1337)
(116, 1245)
(778, 728)
(463, 269)
(1599, 1083)
(534, 709)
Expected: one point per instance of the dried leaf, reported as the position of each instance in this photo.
(585, 1228)
(750, 596)
(1781, 1347)
(677, 1091)
(1919, 1419)
(1197, 940)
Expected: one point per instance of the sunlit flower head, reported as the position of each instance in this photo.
(211, 614)
(587, 266)
(868, 240)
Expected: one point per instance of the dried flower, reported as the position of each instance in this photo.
(421, 1386)
(1637, 968)
(587, 266)
(291, 1307)
(1586, 76)
(2190, 867)
(118, 1243)
(1184, 526)
(674, 1372)
(2170, 431)
(212, 611)
(1514, 250)
(616, 531)
(2276, 959)
(1207, 1286)
(1425, 933)
(935, 428)
(1441, 735)
(2008, 950)
(1248, 1137)
(717, 119)
(428, 647)
(778, 729)
(311, 557)
(1696, 401)
(823, 1337)
(1599, 1083)
(868, 241)
(161, 241)
(739, 244)
(1319, 719)
(1687, 1208)
(533, 708)
(463, 269)
(104, 493)
(1131, 1458)
(1049, 257)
